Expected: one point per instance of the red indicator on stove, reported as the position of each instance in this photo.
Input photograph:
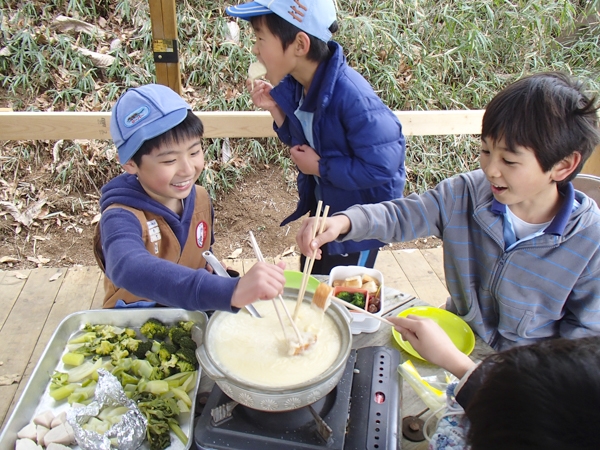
(379, 397)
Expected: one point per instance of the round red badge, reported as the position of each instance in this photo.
(201, 232)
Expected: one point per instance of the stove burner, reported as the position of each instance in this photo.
(348, 417)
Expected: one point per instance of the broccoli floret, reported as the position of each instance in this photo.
(186, 325)
(104, 348)
(154, 329)
(187, 354)
(130, 344)
(358, 299)
(142, 349)
(177, 333)
(184, 366)
(187, 342)
(153, 359)
(118, 354)
(129, 333)
(166, 350)
(346, 296)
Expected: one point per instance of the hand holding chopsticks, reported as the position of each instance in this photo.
(310, 261)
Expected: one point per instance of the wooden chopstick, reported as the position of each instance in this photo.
(339, 301)
(260, 257)
(310, 261)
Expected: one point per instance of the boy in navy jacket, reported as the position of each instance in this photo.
(348, 145)
(156, 222)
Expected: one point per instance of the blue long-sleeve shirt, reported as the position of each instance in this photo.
(129, 265)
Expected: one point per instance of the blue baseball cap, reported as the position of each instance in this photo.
(143, 113)
(314, 17)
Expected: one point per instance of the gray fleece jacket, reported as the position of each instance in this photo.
(545, 287)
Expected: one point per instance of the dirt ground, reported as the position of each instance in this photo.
(61, 234)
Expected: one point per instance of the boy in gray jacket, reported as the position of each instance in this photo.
(521, 246)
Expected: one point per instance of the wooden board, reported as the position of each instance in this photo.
(427, 285)
(233, 124)
(393, 275)
(10, 286)
(19, 334)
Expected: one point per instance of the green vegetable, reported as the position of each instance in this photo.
(73, 359)
(161, 414)
(142, 349)
(358, 299)
(346, 296)
(154, 329)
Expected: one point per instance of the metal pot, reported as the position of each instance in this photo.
(278, 398)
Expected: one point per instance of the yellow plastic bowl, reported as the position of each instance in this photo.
(457, 329)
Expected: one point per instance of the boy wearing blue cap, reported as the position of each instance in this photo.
(156, 221)
(348, 146)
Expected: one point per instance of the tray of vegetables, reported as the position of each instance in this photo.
(150, 351)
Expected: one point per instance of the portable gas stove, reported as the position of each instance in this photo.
(361, 412)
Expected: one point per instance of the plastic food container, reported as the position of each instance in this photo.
(361, 323)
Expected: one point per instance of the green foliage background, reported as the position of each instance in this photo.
(418, 55)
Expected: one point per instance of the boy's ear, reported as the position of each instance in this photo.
(566, 166)
(130, 167)
(301, 44)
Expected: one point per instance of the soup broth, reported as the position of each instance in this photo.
(255, 350)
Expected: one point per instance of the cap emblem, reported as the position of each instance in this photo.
(132, 119)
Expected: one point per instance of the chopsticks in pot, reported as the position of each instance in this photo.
(310, 261)
(260, 257)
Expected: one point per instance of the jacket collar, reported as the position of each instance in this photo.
(558, 224)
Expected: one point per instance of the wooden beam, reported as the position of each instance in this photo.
(164, 42)
(233, 124)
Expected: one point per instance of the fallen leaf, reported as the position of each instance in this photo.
(7, 380)
(8, 259)
(26, 217)
(63, 23)
(55, 277)
(96, 218)
(237, 252)
(20, 276)
(99, 59)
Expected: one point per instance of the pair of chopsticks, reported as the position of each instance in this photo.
(310, 261)
(260, 257)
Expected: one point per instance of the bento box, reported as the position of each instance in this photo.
(361, 323)
(35, 398)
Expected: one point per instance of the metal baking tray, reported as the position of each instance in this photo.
(35, 398)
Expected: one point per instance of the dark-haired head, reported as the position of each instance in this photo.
(190, 128)
(549, 113)
(286, 32)
(541, 396)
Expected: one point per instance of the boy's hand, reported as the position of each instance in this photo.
(262, 282)
(260, 91)
(307, 160)
(432, 343)
(334, 226)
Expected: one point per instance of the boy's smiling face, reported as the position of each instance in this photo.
(517, 180)
(168, 173)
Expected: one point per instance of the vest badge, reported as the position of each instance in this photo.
(201, 233)
(154, 233)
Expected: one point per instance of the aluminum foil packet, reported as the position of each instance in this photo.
(127, 434)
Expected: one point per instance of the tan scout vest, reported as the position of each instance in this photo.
(167, 247)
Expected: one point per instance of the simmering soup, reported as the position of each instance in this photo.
(255, 350)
